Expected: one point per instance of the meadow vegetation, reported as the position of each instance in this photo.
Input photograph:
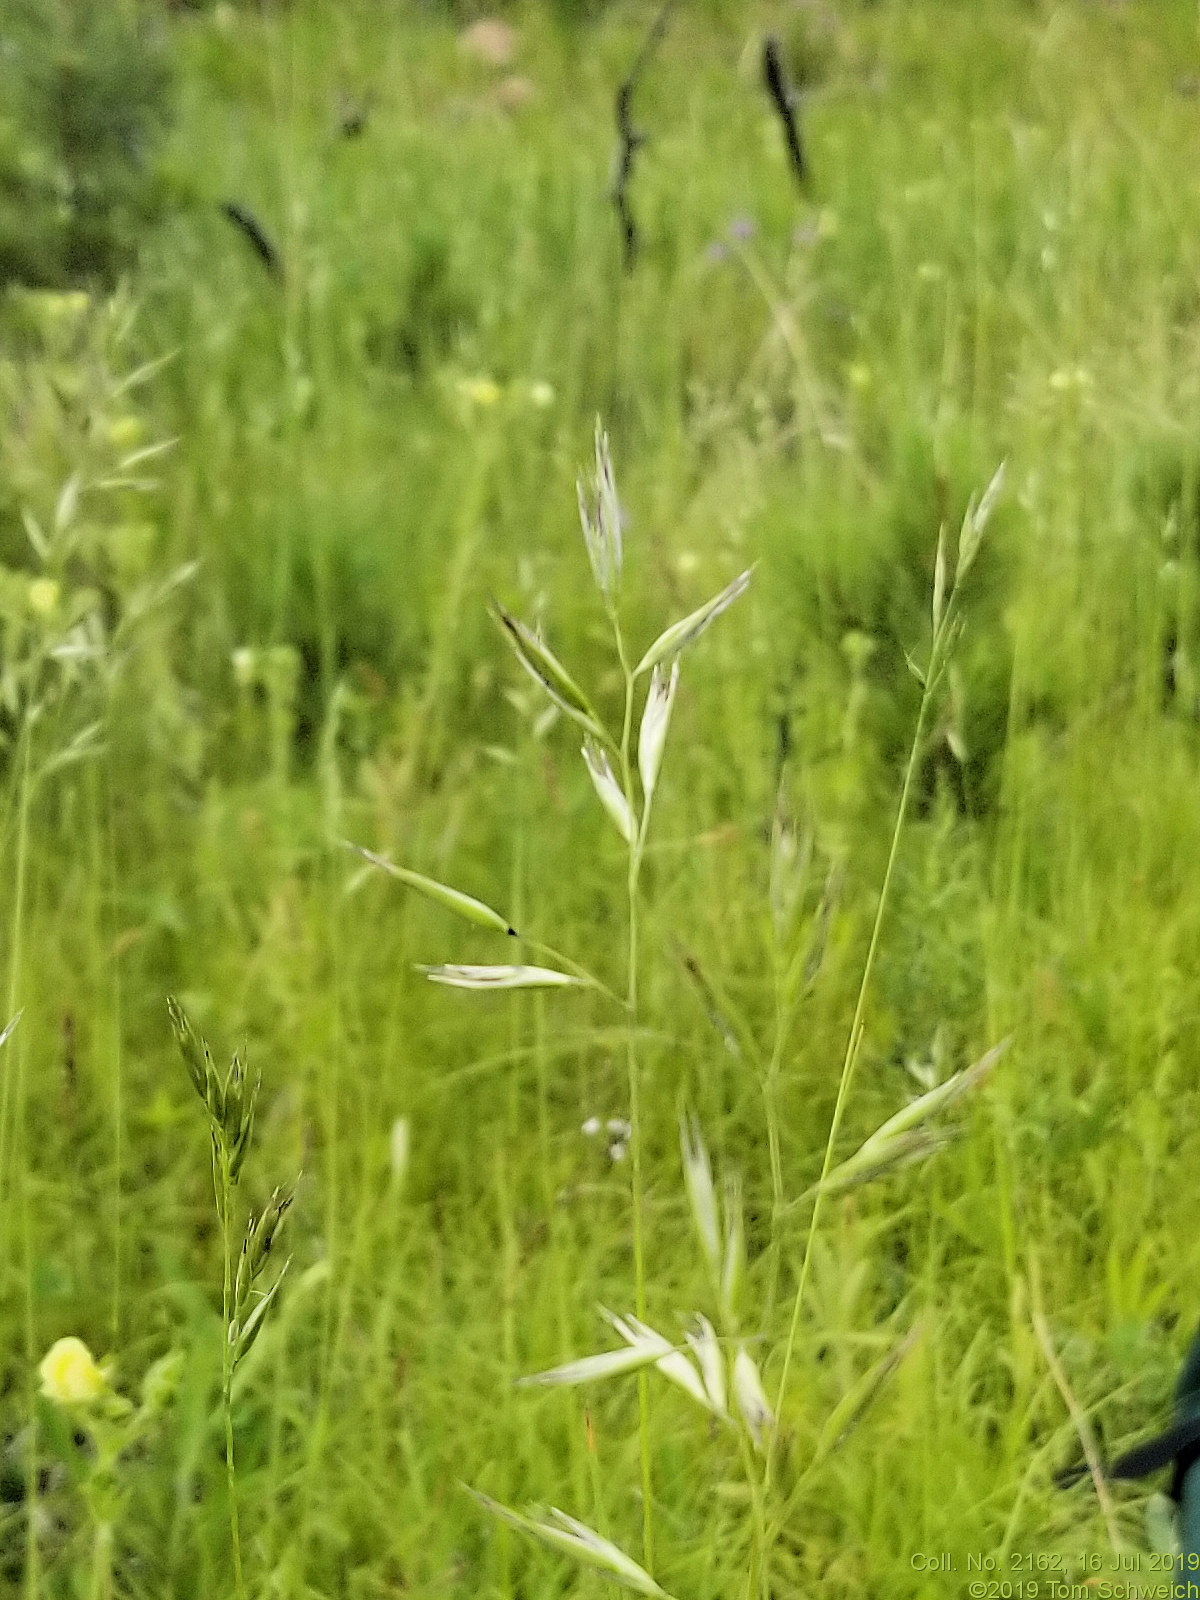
(251, 527)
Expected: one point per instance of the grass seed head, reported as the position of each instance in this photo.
(672, 1363)
(593, 1369)
(193, 1050)
(262, 1235)
(611, 795)
(463, 905)
(701, 1191)
(975, 523)
(245, 1130)
(680, 634)
(233, 1110)
(574, 1538)
(242, 1334)
(256, 1245)
(544, 667)
(936, 1100)
(751, 1398)
(656, 719)
(791, 859)
(501, 977)
(879, 1156)
(600, 518)
(733, 1265)
(706, 1348)
(399, 1147)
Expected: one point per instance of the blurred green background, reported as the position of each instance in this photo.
(249, 524)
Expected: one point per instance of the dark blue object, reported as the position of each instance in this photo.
(1178, 1446)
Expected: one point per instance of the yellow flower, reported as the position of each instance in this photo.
(53, 307)
(541, 393)
(480, 391)
(126, 432)
(43, 596)
(69, 1374)
(1066, 378)
(245, 667)
(859, 374)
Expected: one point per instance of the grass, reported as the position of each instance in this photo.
(999, 260)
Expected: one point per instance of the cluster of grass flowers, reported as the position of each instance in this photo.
(79, 470)
(231, 1100)
(714, 1363)
(612, 761)
(719, 1361)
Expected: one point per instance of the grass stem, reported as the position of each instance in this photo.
(227, 1372)
(854, 1041)
(635, 1109)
